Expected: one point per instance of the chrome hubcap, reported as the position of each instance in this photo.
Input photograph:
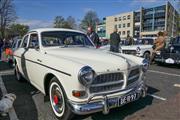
(57, 100)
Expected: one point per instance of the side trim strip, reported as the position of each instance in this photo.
(45, 66)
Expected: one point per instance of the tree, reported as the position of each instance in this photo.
(71, 22)
(7, 16)
(90, 19)
(18, 30)
(59, 22)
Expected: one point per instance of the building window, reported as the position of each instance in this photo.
(115, 19)
(119, 25)
(124, 25)
(128, 25)
(128, 32)
(124, 17)
(115, 26)
(119, 18)
(124, 33)
(128, 17)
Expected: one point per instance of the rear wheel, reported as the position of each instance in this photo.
(58, 101)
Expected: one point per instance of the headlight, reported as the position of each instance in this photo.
(145, 65)
(138, 49)
(86, 75)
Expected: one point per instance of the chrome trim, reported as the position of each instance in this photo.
(108, 83)
(106, 103)
(130, 78)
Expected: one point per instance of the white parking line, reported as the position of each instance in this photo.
(12, 113)
(159, 72)
(177, 85)
(7, 72)
(157, 97)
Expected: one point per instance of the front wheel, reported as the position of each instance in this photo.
(147, 56)
(58, 101)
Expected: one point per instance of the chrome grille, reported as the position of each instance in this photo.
(133, 76)
(107, 82)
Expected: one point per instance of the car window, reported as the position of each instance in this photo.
(34, 42)
(25, 41)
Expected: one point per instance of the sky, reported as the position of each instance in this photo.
(41, 13)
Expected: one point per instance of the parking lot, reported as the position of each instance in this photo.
(163, 87)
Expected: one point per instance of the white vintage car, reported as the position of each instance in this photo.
(142, 48)
(78, 78)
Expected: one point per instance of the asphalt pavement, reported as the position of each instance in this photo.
(163, 87)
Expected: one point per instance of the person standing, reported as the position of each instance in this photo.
(158, 44)
(94, 37)
(114, 41)
(130, 40)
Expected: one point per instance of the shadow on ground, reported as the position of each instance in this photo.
(4, 66)
(24, 104)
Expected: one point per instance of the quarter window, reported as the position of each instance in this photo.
(34, 42)
(25, 41)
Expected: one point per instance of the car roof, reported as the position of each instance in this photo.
(53, 29)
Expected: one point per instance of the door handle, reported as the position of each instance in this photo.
(39, 60)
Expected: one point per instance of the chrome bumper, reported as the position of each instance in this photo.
(106, 103)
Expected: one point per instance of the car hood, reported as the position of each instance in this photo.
(134, 47)
(99, 60)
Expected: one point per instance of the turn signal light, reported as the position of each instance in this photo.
(78, 94)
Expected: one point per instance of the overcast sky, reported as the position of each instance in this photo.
(41, 13)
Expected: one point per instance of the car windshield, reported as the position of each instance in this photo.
(64, 38)
(144, 42)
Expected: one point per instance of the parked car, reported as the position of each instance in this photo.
(171, 53)
(78, 78)
(141, 48)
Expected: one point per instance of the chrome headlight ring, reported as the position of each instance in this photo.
(145, 65)
(86, 76)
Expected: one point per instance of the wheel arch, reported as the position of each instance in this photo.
(47, 80)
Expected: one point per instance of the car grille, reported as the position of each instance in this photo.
(133, 52)
(133, 76)
(174, 56)
(107, 82)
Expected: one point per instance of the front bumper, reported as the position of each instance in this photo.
(106, 103)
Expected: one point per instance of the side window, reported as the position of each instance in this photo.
(25, 41)
(34, 42)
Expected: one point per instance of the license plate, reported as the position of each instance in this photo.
(129, 98)
(116, 102)
(169, 60)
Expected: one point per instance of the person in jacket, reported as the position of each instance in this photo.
(159, 44)
(114, 41)
(94, 37)
(130, 40)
